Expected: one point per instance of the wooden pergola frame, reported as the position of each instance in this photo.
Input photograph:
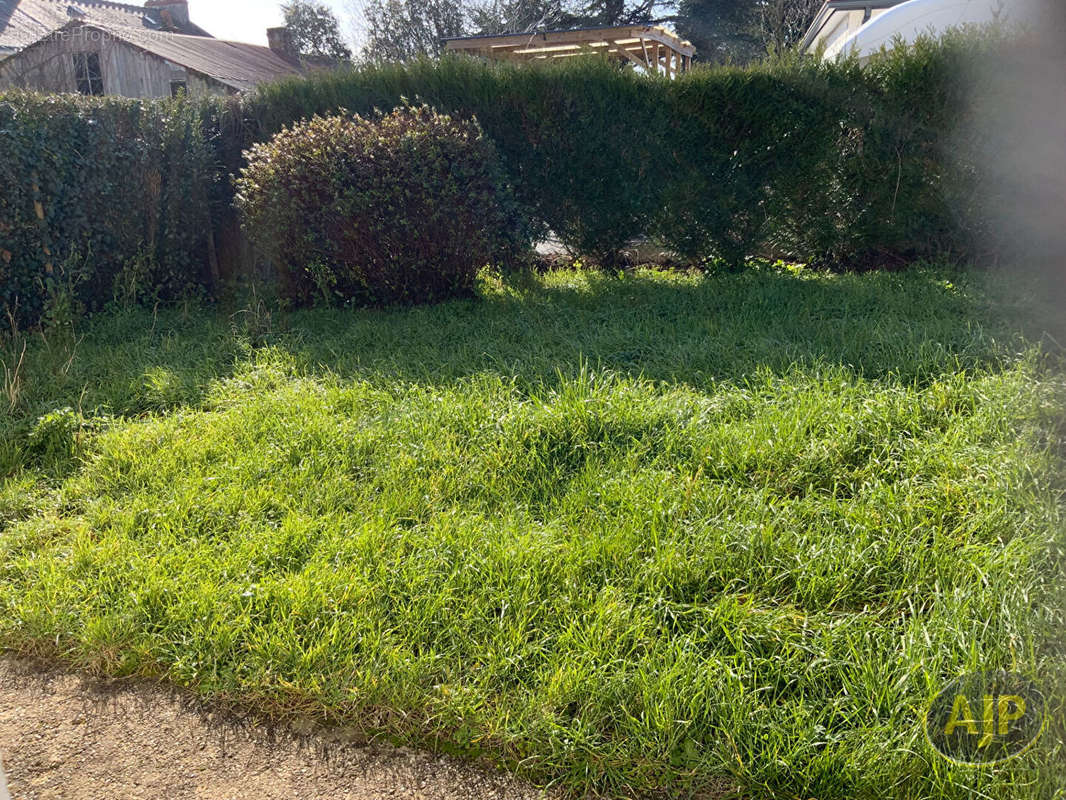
(651, 47)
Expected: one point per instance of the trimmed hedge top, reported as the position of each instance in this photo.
(823, 163)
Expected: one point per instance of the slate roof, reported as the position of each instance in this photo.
(23, 22)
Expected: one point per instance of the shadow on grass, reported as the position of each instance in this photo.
(696, 330)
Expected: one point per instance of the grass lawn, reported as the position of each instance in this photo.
(630, 534)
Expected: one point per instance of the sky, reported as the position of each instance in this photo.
(247, 20)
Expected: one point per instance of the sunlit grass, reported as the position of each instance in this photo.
(628, 534)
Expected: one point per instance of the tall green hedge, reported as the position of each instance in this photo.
(103, 196)
(840, 164)
(582, 141)
(828, 163)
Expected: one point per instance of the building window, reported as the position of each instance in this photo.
(178, 88)
(87, 73)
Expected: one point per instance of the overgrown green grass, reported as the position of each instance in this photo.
(639, 534)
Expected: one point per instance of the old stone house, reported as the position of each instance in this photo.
(96, 47)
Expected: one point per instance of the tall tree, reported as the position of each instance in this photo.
(520, 16)
(743, 30)
(721, 30)
(622, 12)
(496, 16)
(398, 30)
(783, 22)
(315, 30)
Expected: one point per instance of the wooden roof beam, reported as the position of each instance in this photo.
(630, 56)
(624, 54)
(594, 47)
(525, 40)
(675, 44)
(634, 32)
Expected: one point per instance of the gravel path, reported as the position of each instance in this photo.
(67, 736)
